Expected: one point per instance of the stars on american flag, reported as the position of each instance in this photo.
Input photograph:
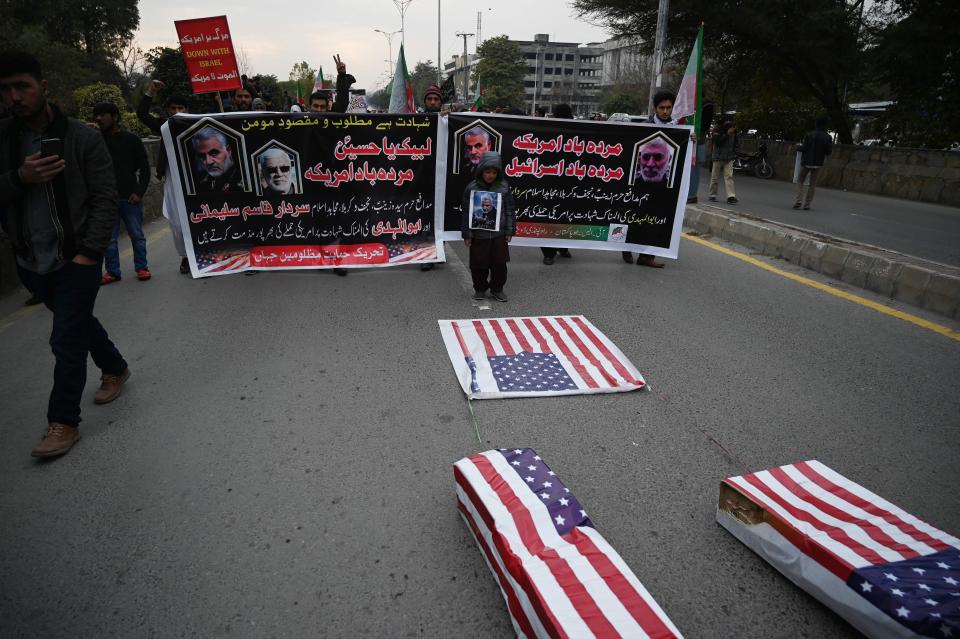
(529, 372)
(564, 509)
(920, 593)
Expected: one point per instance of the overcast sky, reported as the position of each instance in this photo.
(278, 34)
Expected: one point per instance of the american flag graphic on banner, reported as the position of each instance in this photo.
(223, 261)
(885, 571)
(402, 252)
(536, 356)
(558, 575)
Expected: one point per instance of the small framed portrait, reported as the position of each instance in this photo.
(470, 143)
(485, 207)
(213, 157)
(277, 169)
(655, 161)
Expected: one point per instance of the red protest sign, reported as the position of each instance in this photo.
(209, 54)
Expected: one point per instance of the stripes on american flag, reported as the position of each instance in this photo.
(402, 254)
(223, 261)
(863, 542)
(536, 356)
(558, 575)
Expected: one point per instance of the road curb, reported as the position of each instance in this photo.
(908, 279)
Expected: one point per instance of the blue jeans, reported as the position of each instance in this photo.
(70, 292)
(132, 217)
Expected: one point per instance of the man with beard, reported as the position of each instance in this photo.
(243, 99)
(276, 173)
(58, 192)
(653, 165)
(216, 170)
(476, 142)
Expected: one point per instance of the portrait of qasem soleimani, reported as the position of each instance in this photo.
(655, 163)
(278, 172)
(471, 145)
(215, 162)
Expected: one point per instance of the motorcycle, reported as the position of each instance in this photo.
(756, 163)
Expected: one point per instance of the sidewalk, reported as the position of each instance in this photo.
(922, 283)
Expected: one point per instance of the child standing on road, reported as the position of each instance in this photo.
(488, 222)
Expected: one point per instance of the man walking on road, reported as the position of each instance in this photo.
(816, 146)
(132, 170)
(58, 189)
(724, 153)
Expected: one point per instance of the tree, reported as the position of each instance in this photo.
(501, 69)
(424, 74)
(924, 79)
(89, 96)
(166, 64)
(815, 45)
(624, 98)
(380, 99)
(302, 72)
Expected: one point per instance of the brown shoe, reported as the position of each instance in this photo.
(648, 260)
(110, 386)
(58, 439)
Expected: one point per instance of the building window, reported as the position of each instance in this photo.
(568, 72)
(530, 56)
(529, 83)
(569, 57)
(548, 70)
(548, 56)
(547, 84)
(531, 69)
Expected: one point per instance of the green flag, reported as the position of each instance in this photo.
(686, 109)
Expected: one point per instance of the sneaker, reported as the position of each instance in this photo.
(58, 439)
(796, 205)
(712, 198)
(692, 200)
(479, 295)
(498, 295)
(143, 275)
(732, 200)
(109, 278)
(806, 207)
(184, 265)
(342, 272)
(627, 256)
(565, 253)
(110, 386)
(427, 267)
(33, 300)
(548, 261)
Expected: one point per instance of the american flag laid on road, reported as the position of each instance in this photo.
(886, 572)
(536, 356)
(558, 576)
(226, 261)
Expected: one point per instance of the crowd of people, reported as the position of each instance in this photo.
(66, 188)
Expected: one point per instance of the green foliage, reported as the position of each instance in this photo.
(87, 97)
(269, 85)
(918, 57)
(305, 74)
(812, 45)
(380, 99)
(501, 70)
(423, 75)
(129, 122)
(166, 64)
(624, 98)
(64, 68)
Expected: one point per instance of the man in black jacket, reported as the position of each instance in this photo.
(61, 207)
(816, 146)
(132, 170)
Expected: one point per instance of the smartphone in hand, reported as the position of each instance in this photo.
(51, 147)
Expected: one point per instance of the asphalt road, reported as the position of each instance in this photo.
(279, 464)
(928, 231)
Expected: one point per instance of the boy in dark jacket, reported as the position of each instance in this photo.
(488, 246)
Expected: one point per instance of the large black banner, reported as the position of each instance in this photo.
(599, 185)
(291, 190)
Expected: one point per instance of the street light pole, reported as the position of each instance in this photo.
(389, 37)
(401, 6)
(466, 66)
(439, 61)
(658, 46)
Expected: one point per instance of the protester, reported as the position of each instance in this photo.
(663, 115)
(320, 101)
(243, 99)
(175, 104)
(563, 112)
(489, 253)
(60, 210)
(725, 142)
(340, 105)
(703, 134)
(132, 171)
(259, 104)
(432, 103)
(816, 146)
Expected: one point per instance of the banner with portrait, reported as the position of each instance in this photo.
(268, 191)
(577, 183)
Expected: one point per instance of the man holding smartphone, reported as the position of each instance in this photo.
(61, 208)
